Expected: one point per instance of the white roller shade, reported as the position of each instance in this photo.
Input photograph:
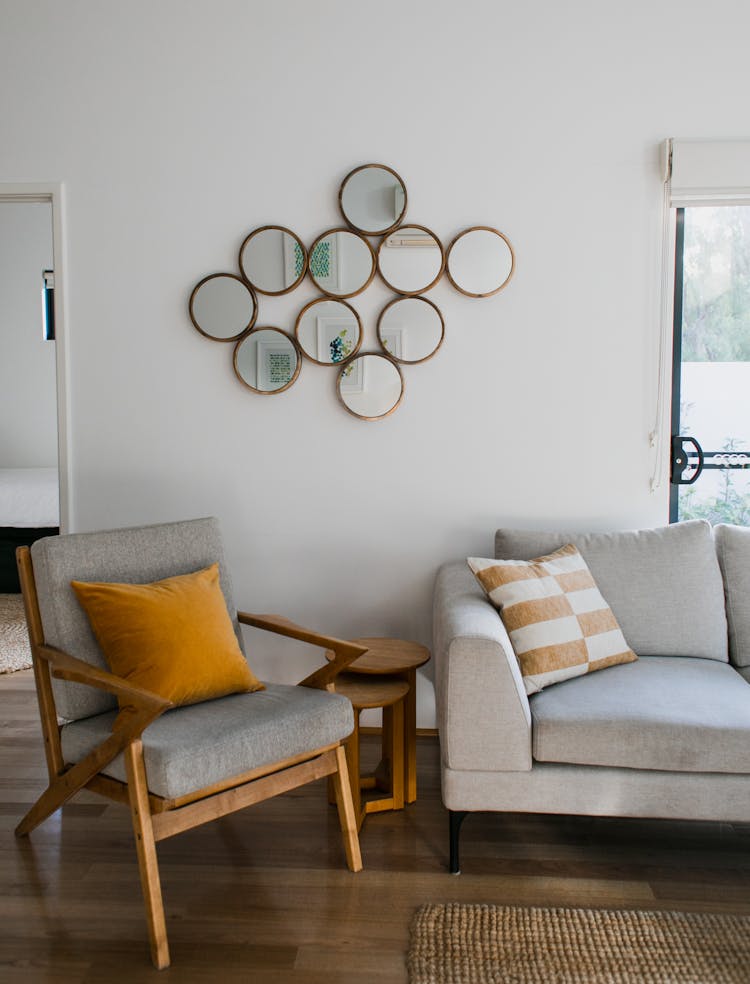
(708, 172)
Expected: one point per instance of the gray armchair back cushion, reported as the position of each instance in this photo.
(733, 546)
(664, 585)
(133, 556)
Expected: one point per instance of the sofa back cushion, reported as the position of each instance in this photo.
(664, 585)
(733, 547)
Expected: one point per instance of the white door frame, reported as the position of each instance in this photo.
(54, 193)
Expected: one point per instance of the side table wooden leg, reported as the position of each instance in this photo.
(398, 764)
(410, 737)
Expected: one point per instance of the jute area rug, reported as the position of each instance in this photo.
(15, 652)
(488, 944)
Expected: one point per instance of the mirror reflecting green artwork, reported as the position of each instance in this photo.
(328, 331)
(267, 360)
(342, 263)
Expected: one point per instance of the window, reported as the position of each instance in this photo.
(711, 366)
(710, 445)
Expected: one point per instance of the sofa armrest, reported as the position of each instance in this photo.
(483, 712)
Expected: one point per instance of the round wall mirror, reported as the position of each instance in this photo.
(328, 331)
(411, 329)
(411, 259)
(223, 307)
(370, 386)
(267, 360)
(373, 199)
(342, 263)
(273, 259)
(480, 261)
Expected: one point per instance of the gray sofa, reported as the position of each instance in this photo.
(666, 736)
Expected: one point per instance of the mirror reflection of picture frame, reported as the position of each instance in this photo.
(337, 337)
(324, 263)
(399, 200)
(392, 340)
(353, 377)
(294, 260)
(276, 364)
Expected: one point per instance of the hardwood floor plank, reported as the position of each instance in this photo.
(265, 894)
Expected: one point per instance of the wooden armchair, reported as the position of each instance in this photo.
(195, 763)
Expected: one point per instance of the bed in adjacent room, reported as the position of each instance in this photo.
(29, 509)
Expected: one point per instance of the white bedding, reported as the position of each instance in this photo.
(29, 497)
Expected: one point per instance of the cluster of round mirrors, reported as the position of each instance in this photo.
(342, 262)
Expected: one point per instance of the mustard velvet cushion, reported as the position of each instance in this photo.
(173, 637)
(559, 624)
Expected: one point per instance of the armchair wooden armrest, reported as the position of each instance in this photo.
(345, 652)
(63, 666)
(142, 707)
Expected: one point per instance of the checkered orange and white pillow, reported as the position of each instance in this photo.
(559, 624)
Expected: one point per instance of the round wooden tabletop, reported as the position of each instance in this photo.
(387, 656)
(370, 693)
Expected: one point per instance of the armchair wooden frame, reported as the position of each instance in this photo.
(156, 818)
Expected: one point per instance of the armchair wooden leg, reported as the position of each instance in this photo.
(146, 849)
(347, 818)
(55, 796)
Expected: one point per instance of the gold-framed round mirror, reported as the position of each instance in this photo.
(370, 386)
(480, 261)
(223, 307)
(372, 199)
(267, 360)
(341, 263)
(411, 259)
(411, 329)
(328, 331)
(273, 259)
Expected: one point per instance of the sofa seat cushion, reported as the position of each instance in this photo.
(664, 585)
(191, 747)
(672, 713)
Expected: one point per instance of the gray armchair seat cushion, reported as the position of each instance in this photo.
(664, 585)
(671, 713)
(192, 747)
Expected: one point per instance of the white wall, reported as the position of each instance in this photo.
(28, 394)
(178, 127)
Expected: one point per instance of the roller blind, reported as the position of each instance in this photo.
(708, 172)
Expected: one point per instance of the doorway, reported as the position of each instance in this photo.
(33, 487)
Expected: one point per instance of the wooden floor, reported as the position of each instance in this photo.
(264, 896)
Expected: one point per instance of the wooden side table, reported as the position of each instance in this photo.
(399, 658)
(388, 693)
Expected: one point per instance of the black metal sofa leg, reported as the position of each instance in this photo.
(456, 818)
